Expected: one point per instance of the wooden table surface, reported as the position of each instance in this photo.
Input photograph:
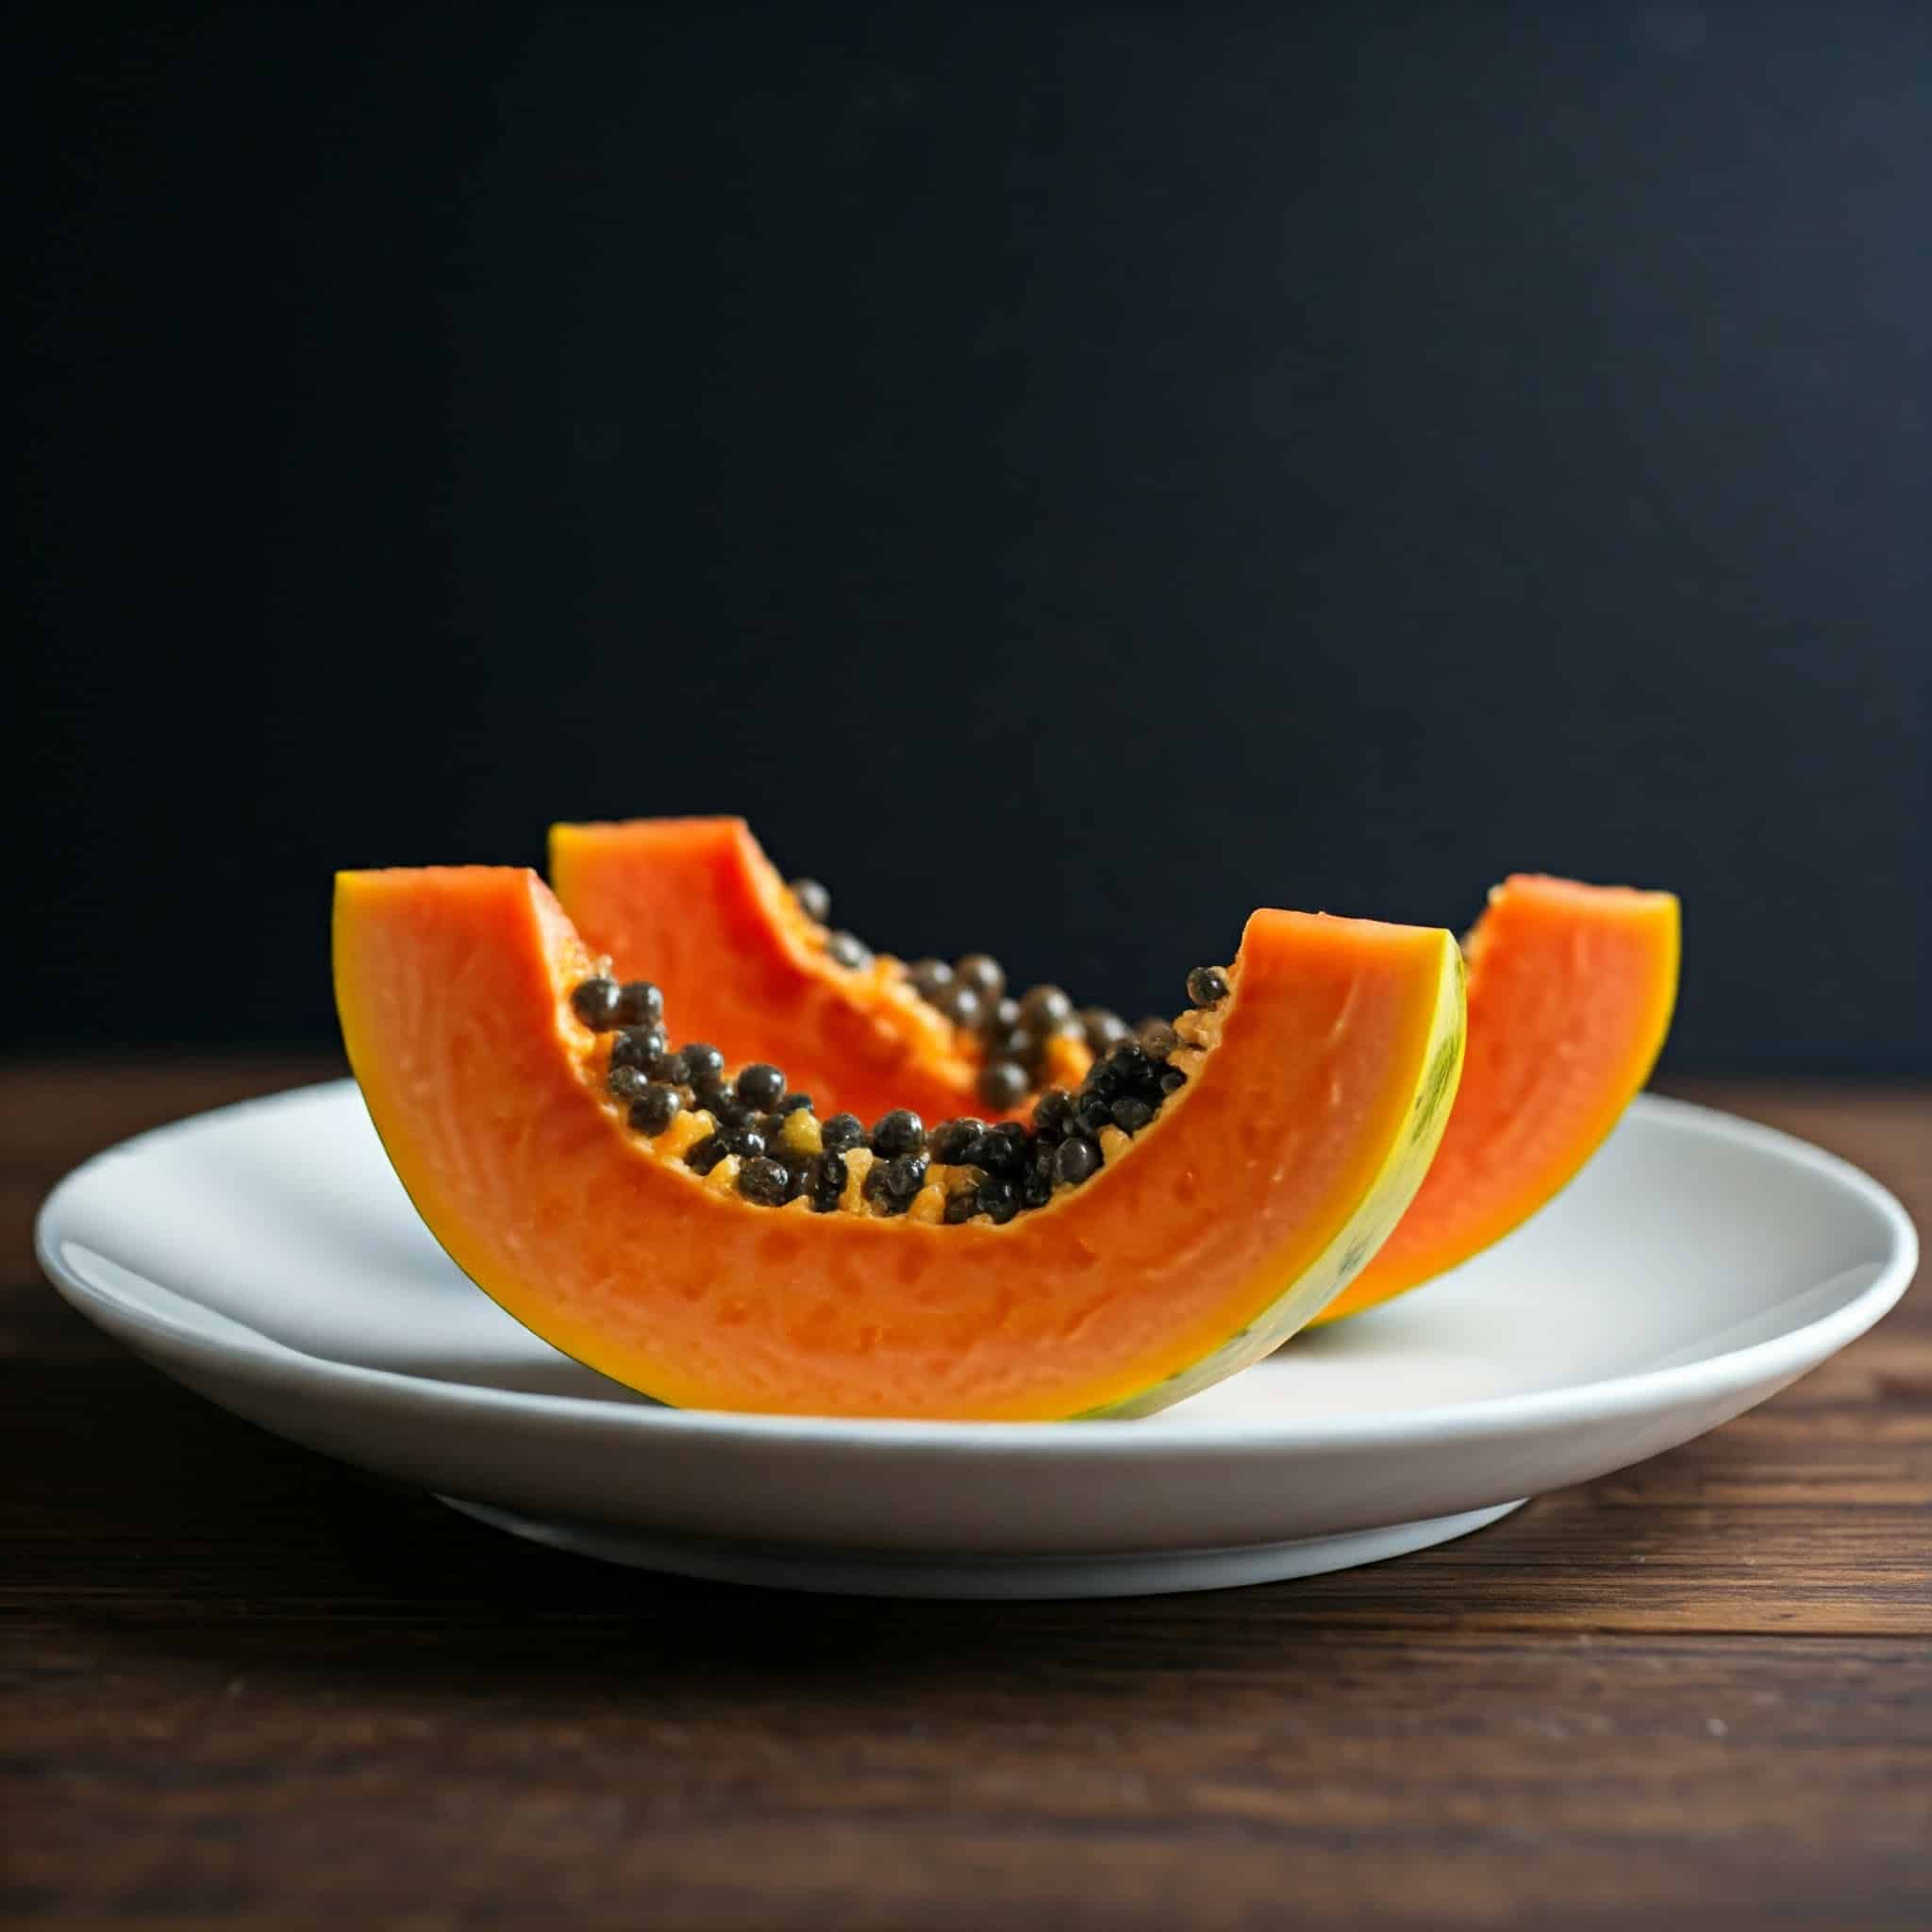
(245, 1686)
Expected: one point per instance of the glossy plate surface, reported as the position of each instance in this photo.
(265, 1255)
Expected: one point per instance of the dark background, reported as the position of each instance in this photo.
(1065, 478)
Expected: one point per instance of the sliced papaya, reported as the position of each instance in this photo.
(1298, 1119)
(1571, 989)
(695, 904)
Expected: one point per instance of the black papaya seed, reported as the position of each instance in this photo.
(595, 1002)
(638, 1004)
(1002, 1084)
(983, 974)
(627, 1083)
(1076, 1160)
(638, 1047)
(899, 1132)
(847, 950)
(1206, 986)
(761, 1083)
(700, 1057)
(763, 1180)
(655, 1107)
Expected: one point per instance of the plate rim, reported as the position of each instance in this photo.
(264, 1359)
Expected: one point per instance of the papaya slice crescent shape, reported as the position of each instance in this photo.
(1570, 989)
(1304, 1130)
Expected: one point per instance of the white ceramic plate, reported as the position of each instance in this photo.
(265, 1255)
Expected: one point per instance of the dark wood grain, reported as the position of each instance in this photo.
(248, 1687)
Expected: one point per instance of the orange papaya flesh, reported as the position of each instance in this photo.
(1570, 989)
(1318, 1092)
(695, 906)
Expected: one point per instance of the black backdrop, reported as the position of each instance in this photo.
(1066, 477)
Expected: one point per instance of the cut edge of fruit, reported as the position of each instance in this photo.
(1282, 1309)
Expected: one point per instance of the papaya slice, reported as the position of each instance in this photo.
(1570, 989)
(696, 906)
(1313, 1096)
